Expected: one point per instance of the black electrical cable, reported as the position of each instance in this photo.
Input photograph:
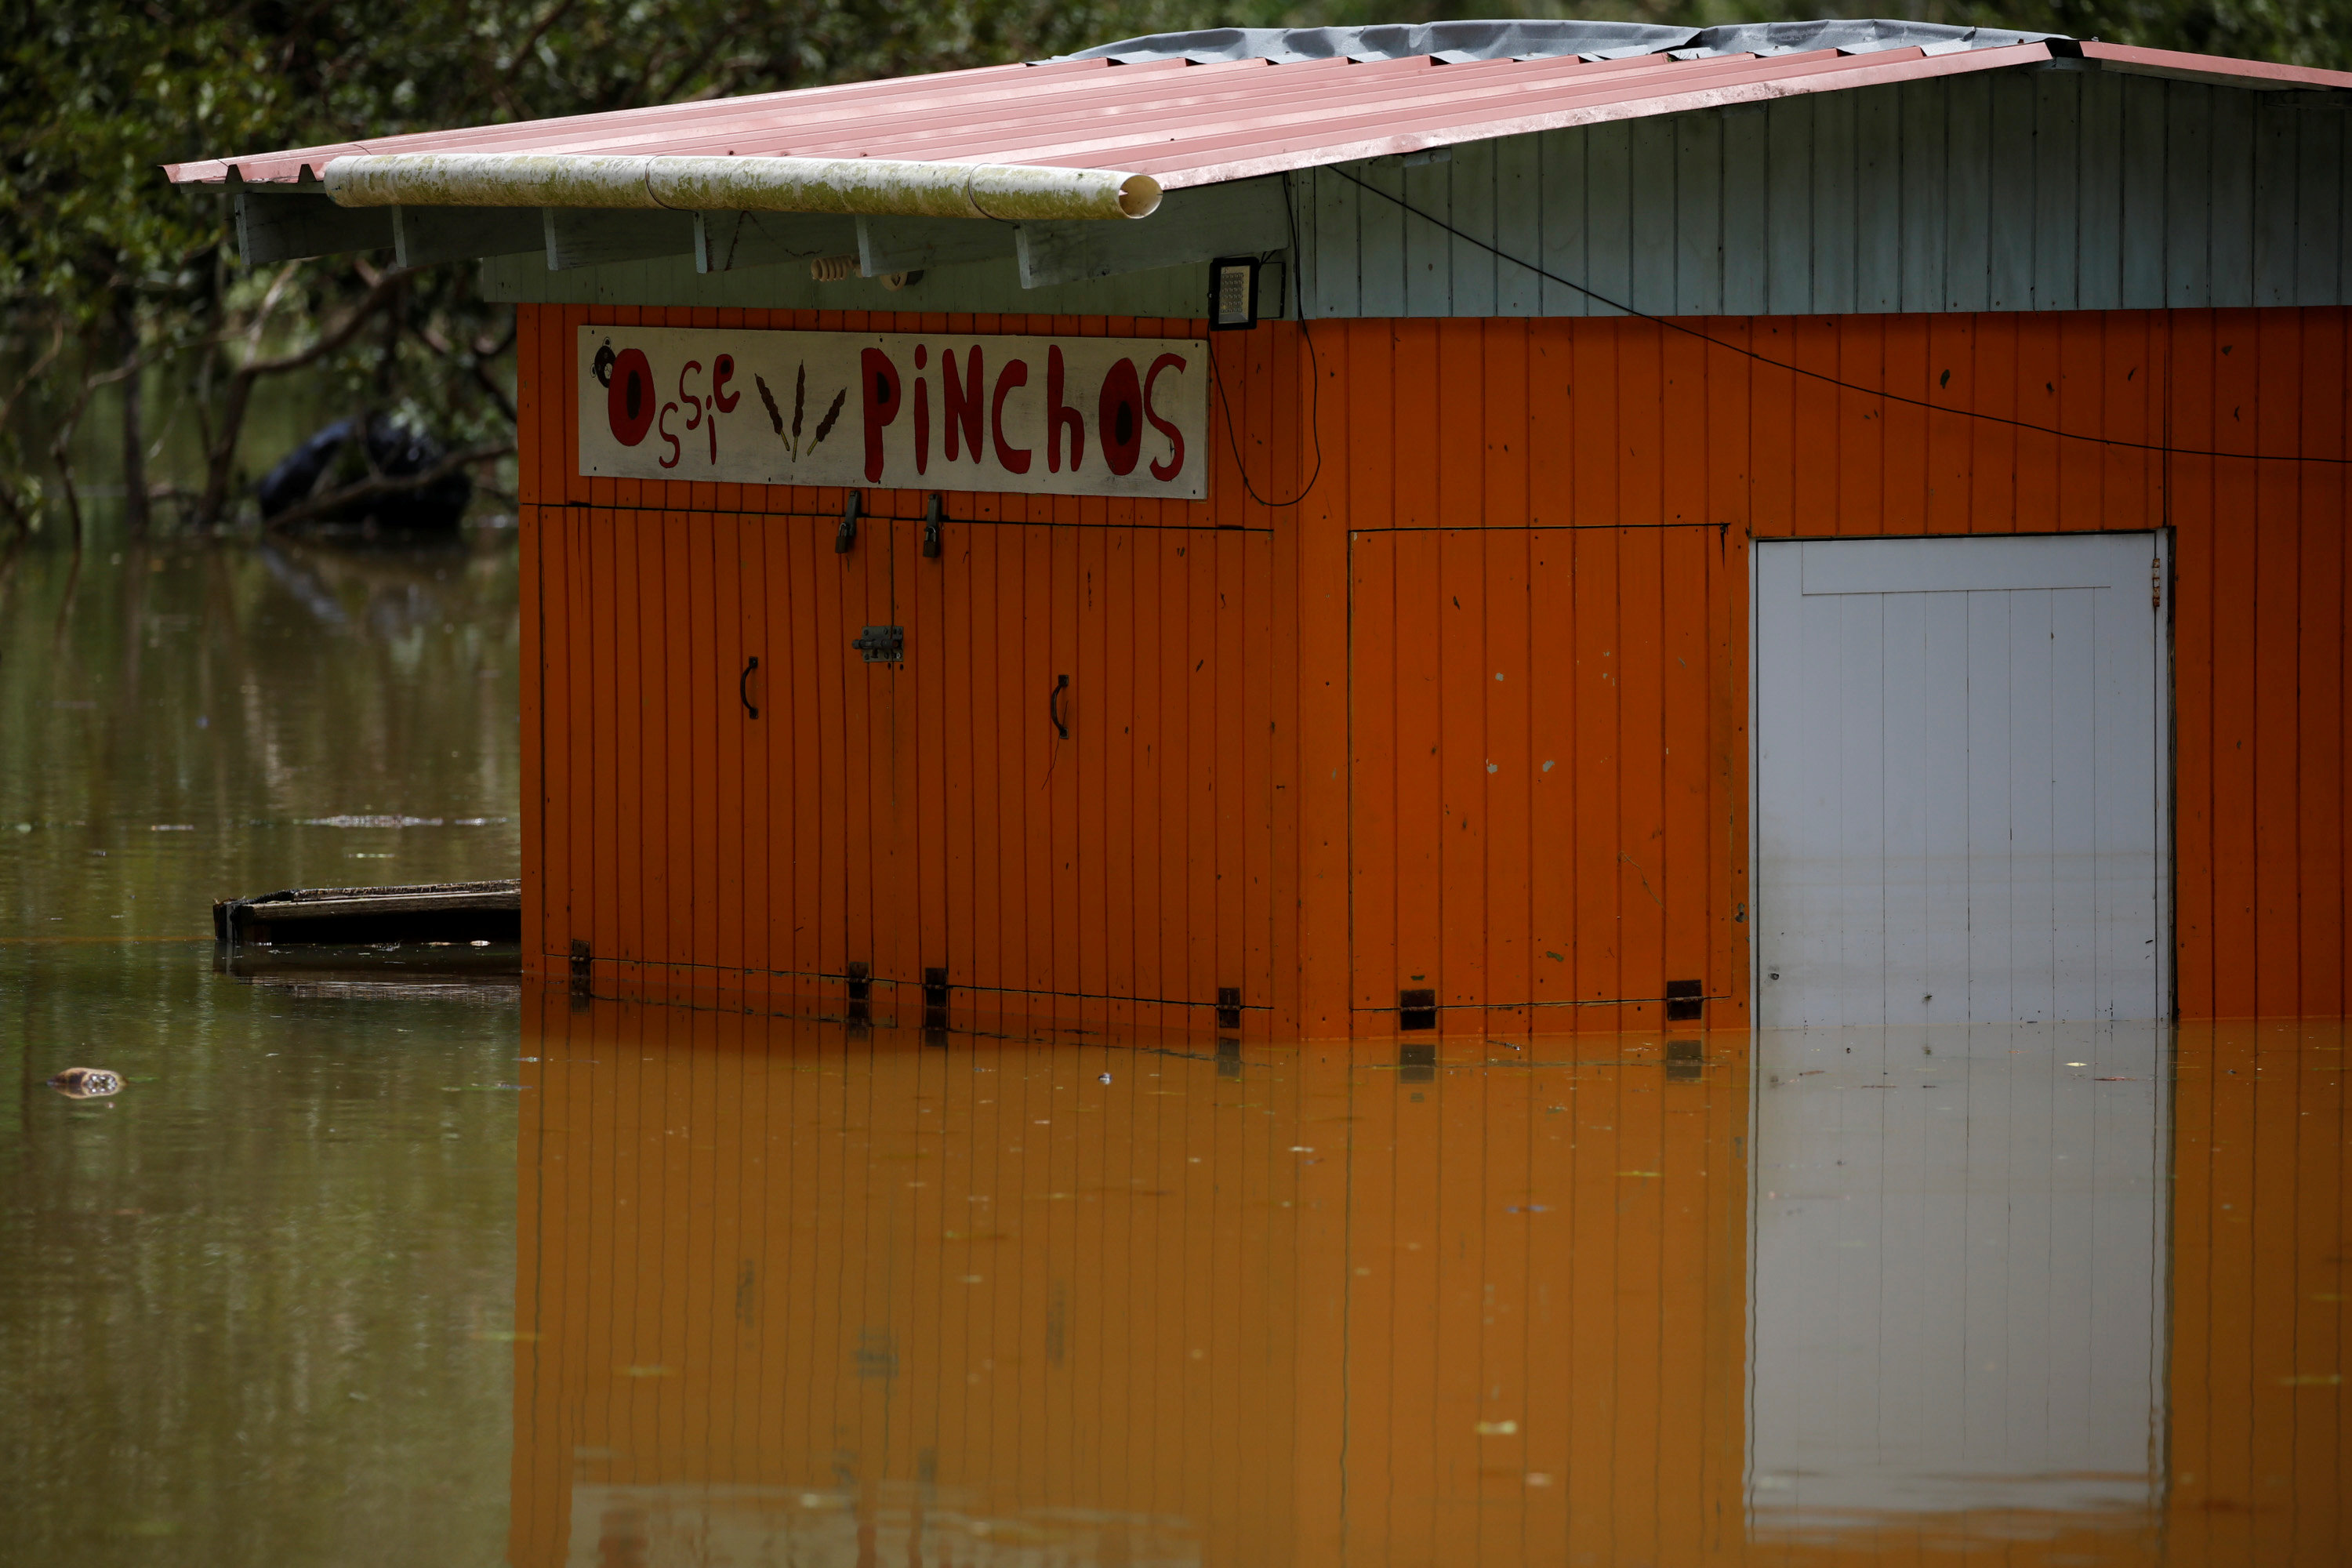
(1314, 370)
(1815, 375)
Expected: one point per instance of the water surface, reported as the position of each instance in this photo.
(256, 1306)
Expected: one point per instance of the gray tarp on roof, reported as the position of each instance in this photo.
(1460, 41)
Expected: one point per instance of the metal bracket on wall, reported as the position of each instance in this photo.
(846, 539)
(881, 645)
(932, 522)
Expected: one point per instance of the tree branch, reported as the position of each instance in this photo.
(480, 353)
(555, 14)
(222, 459)
(49, 356)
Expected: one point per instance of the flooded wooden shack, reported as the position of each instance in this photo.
(1346, 530)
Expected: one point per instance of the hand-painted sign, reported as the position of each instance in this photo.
(1109, 416)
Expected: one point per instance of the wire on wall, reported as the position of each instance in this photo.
(2157, 447)
(1314, 369)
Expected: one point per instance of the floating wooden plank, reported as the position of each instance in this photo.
(272, 226)
(1247, 218)
(424, 236)
(441, 911)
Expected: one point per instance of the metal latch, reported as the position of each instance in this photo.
(881, 645)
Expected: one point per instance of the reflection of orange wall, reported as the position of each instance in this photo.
(2262, 1284)
(1262, 1313)
(1556, 1247)
(752, 1256)
(1343, 798)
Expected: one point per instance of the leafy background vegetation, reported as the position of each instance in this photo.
(133, 341)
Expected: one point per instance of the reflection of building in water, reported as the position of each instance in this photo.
(1958, 1244)
(791, 1296)
(876, 1302)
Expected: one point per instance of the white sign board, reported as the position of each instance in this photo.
(1102, 417)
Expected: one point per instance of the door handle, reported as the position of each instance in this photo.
(1053, 706)
(743, 686)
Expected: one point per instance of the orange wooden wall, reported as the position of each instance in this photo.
(1361, 806)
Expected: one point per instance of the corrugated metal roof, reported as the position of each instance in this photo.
(1278, 103)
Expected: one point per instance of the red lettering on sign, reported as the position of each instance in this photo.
(722, 371)
(1057, 417)
(878, 389)
(1119, 417)
(922, 417)
(629, 406)
(962, 411)
(1015, 458)
(1175, 463)
(675, 451)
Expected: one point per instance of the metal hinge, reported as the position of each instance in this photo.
(881, 645)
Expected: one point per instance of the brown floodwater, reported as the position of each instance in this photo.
(808, 1292)
(254, 1307)
(358, 1272)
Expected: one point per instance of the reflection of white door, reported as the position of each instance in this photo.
(1957, 1252)
(1959, 781)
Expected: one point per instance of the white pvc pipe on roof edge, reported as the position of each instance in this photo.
(871, 186)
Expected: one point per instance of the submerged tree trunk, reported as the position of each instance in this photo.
(220, 463)
(134, 431)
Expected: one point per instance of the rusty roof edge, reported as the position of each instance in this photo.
(1460, 42)
(2220, 69)
(314, 159)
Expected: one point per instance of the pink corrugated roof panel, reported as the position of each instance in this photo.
(1201, 124)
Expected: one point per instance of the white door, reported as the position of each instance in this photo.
(1960, 781)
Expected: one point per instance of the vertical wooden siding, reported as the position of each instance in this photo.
(1632, 463)
(1569, 505)
(918, 814)
(2050, 190)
